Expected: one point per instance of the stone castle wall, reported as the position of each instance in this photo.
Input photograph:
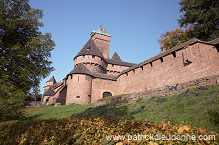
(172, 69)
(163, 91)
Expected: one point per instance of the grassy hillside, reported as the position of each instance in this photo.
(122, 123)
(197, 107)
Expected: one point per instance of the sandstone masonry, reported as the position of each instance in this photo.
(96, 76)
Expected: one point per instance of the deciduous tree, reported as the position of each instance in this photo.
(24, 50)
(172, 38)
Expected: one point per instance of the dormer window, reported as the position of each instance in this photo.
(88, 49)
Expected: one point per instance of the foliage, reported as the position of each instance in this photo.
(11, 100)
(24, 50)
(96, 131)
(170, 39)
(203, 15)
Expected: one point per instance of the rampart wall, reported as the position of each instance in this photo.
(193, 62)
(113, 69)
(163, 91)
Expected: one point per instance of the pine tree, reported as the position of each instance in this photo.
(203, 15)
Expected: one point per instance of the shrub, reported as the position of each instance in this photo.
(94, 131)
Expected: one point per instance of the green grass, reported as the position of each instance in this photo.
(197, 107)
(55, 112)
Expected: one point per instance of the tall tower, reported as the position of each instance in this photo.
(102, 40)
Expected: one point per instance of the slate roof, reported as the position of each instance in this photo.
(176, 48)
(49, 92)
(90, 48)
(52, 79)
(116, 57)
(122, 63)
(82, 69)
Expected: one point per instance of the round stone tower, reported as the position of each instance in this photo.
(79, 82)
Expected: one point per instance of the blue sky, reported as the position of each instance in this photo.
(135, 27)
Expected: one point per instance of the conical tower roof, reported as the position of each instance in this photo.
(52, 79)
(90, 48)
(116, 57)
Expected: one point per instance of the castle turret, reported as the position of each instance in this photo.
(49, 83)
(81, 80)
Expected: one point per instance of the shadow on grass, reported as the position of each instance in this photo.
(111, 110)
(32, 117)
(214, 118)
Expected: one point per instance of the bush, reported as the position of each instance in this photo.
(94, 131)
(11, 102)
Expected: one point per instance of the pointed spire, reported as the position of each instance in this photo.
(116, 57)
(52, 79)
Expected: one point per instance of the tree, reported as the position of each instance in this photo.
(203, 15)
(172, 38)
(24, 50)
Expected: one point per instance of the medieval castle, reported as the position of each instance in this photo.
(96, 76)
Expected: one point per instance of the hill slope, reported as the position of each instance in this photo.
(197, 107)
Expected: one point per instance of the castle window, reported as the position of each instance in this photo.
(78, 78)
(173, 53)
(77, 96)
(151, 63)
(83, 56)
(133, 71)
(106, 94)
(161, 59)
(126, 73)
(112, 65)
(93, 56)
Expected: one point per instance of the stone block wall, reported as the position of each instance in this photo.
(164, 91)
